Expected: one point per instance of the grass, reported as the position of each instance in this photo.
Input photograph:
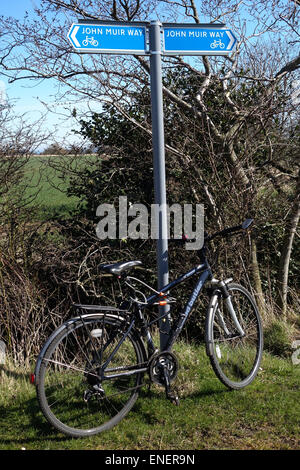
(265, 415)
(46, 183)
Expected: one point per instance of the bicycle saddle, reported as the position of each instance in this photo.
(118, 268)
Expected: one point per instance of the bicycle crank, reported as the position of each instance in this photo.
(163, 370)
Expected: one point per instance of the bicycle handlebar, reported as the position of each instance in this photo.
(223, 233)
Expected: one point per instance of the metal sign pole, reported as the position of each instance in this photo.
(110, 37)
(159, 168)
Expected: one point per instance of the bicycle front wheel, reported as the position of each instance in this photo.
(86, 382)
(235, 357)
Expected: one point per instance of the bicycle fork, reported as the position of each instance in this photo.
(227, 298)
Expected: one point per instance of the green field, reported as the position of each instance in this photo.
(46, 180)
(265, 415)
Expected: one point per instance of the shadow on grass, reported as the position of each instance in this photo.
(158, 400)
(33, 430)
(24, 424)
(24, 418)
(14, 374)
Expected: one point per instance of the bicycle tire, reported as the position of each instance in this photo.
(70, 394)
(235, 359)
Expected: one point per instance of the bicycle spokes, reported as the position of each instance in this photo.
(236, 341)
(77, 392)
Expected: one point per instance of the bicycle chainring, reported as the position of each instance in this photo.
(157, 364)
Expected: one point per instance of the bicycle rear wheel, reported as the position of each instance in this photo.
(234, 358)
(77, 394)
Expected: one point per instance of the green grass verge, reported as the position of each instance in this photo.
(265, 415)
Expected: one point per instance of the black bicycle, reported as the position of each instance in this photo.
(90, 371)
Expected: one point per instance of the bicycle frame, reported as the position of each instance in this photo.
(206, 273)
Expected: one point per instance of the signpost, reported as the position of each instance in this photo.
(111, 37)
(108, 38)
(144, 38)
(159, 167)
(202, 40)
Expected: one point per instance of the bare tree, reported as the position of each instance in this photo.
(19, 138)
(265, 60)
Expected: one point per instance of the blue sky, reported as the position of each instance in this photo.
(25, 95)
(19, 92)
(16, 8)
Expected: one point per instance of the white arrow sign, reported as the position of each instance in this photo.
(73, 36)
(231, 38)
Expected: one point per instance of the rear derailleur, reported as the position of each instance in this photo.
(95, 389)
(163, 368)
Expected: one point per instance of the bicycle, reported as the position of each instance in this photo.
(217, 43)
(91, 41)
(90, 371)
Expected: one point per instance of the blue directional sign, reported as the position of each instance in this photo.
(193, 40)
(108, 38)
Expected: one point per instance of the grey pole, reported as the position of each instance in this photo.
(159, 168)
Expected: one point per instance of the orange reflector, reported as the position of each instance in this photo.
(163, 302)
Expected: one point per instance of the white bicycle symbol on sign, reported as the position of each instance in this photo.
(91, 41)
(217, 43)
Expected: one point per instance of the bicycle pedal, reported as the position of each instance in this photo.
(174, 399)
(177, 401)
